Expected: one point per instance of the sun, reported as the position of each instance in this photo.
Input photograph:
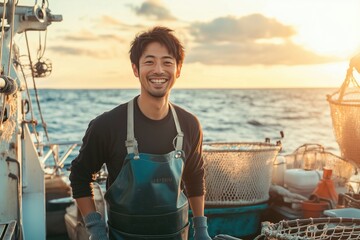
(324, 27)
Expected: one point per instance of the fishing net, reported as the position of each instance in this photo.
(314, 157)
(8, 126)
(238, 173)
(312, 229)
(345, 114)
(349, 200)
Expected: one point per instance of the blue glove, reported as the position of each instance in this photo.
(95, 226)
(200, 228)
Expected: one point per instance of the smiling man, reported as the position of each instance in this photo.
(153, 153)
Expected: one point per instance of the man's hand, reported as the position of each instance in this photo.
(95, 226)
(200, 228)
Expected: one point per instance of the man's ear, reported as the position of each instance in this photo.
(135, 70)
(178, 71)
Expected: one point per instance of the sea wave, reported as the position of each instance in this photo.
(231, 115)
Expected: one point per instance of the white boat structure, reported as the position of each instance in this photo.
(36, 201)
(23, 176)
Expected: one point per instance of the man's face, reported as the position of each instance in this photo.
(157, 70)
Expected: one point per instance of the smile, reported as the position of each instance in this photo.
(158, 80)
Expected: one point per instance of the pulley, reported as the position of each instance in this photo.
(7, 85)
(42, 68)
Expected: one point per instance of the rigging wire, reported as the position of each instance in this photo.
(36, 91)
(1, 67)
(37, 96)
(30, 102)
(11, 37)
(9, 60)
(20, 229)
(41, 50)
(2, 33)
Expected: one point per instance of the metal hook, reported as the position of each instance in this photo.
(40, 12)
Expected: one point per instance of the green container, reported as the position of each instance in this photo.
(241, 221)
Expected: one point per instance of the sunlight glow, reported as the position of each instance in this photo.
(326, 27)
(294, 44)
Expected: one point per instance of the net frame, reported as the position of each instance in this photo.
(312, 229)
(350, 200)
(314, 157)
(345, 112)
(238, 173)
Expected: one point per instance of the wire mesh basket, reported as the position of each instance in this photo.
(345, 115)
(312, 229)
(238, 173)
(314, 157)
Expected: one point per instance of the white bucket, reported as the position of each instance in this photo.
(302, 181)
(278, 170)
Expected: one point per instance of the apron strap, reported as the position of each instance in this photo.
(178, 140)
(131, 143)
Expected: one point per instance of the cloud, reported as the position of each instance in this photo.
(231, 29)
(250, 53)
(252, 39)
(76, 51)
(154, 9)
(108, 20)
(81, 36)
(88, 36)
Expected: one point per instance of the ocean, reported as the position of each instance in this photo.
(226, 115)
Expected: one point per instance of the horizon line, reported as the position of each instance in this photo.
(186, 88)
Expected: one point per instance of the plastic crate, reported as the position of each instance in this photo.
(238, 221)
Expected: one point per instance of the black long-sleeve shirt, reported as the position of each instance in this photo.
(104, 142)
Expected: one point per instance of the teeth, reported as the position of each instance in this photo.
(158, 80)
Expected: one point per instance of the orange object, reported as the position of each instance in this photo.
(325, 190)
(313, 209)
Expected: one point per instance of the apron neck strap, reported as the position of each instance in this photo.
(178, 140)
(131, 143)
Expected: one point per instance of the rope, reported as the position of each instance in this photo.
(37, 100)
(10, 53)
(36, 91)
(11, 36)
(41, 50)
(312, 228)
(30, 102)
(345, 85)
(2, 33)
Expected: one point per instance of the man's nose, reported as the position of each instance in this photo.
(159, 68)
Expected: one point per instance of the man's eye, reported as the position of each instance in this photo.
(148, 62)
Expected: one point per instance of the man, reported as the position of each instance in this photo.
(150, 147)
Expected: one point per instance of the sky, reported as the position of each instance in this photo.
(228, 43)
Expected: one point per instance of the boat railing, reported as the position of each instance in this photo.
(60, 151)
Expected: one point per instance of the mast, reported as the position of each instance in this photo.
(21, 171)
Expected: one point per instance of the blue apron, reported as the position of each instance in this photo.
(146, 201)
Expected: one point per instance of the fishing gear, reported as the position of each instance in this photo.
(345, 112)
(42, 68)
(7, 85)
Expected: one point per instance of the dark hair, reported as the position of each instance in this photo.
(161, 35)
